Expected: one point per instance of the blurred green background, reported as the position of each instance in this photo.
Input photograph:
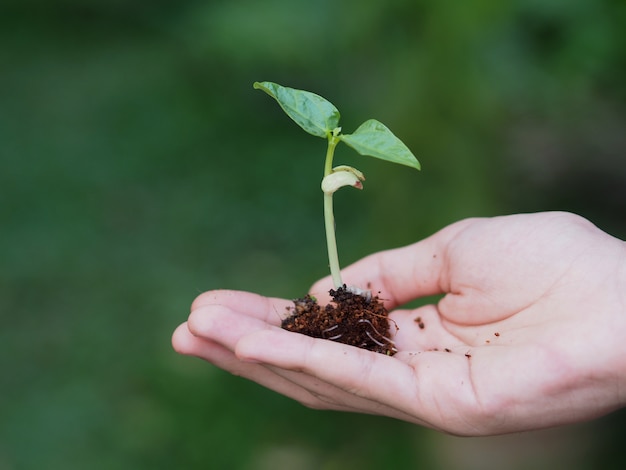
(139, 168)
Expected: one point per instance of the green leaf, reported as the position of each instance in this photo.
(313, 113)
(374, 139)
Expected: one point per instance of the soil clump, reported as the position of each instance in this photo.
(350, 318)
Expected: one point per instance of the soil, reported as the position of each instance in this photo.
(350, 318)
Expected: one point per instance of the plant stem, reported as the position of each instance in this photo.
(329, 218)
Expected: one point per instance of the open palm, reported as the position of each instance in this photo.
(528, 333)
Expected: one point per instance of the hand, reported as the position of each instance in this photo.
(529, 334)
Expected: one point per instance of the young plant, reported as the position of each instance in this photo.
(319, 117)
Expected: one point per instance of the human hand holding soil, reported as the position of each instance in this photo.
(529, 333)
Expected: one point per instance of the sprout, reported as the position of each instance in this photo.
(320, 118)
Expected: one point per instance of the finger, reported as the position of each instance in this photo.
(402, 274)
(336, 389)
(215, 330)
(223, 325)
(267, 309)
(186, 343)
(330, 397)
(309, 391)
(348, 367)
(382, 380)
(212, 332)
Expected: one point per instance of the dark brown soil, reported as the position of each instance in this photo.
(350, 319)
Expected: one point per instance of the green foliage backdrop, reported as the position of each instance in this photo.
(139, 168)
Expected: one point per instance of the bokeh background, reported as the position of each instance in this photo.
(139, 168)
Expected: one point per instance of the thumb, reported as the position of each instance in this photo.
(403, 274)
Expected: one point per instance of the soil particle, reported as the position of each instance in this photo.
(350, 319)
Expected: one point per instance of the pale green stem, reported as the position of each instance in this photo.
(329, 218)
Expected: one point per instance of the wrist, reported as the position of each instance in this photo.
(620, 286)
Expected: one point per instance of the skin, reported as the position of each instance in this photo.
(529, 332)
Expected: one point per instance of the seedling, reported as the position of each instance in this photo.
(319, 117)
